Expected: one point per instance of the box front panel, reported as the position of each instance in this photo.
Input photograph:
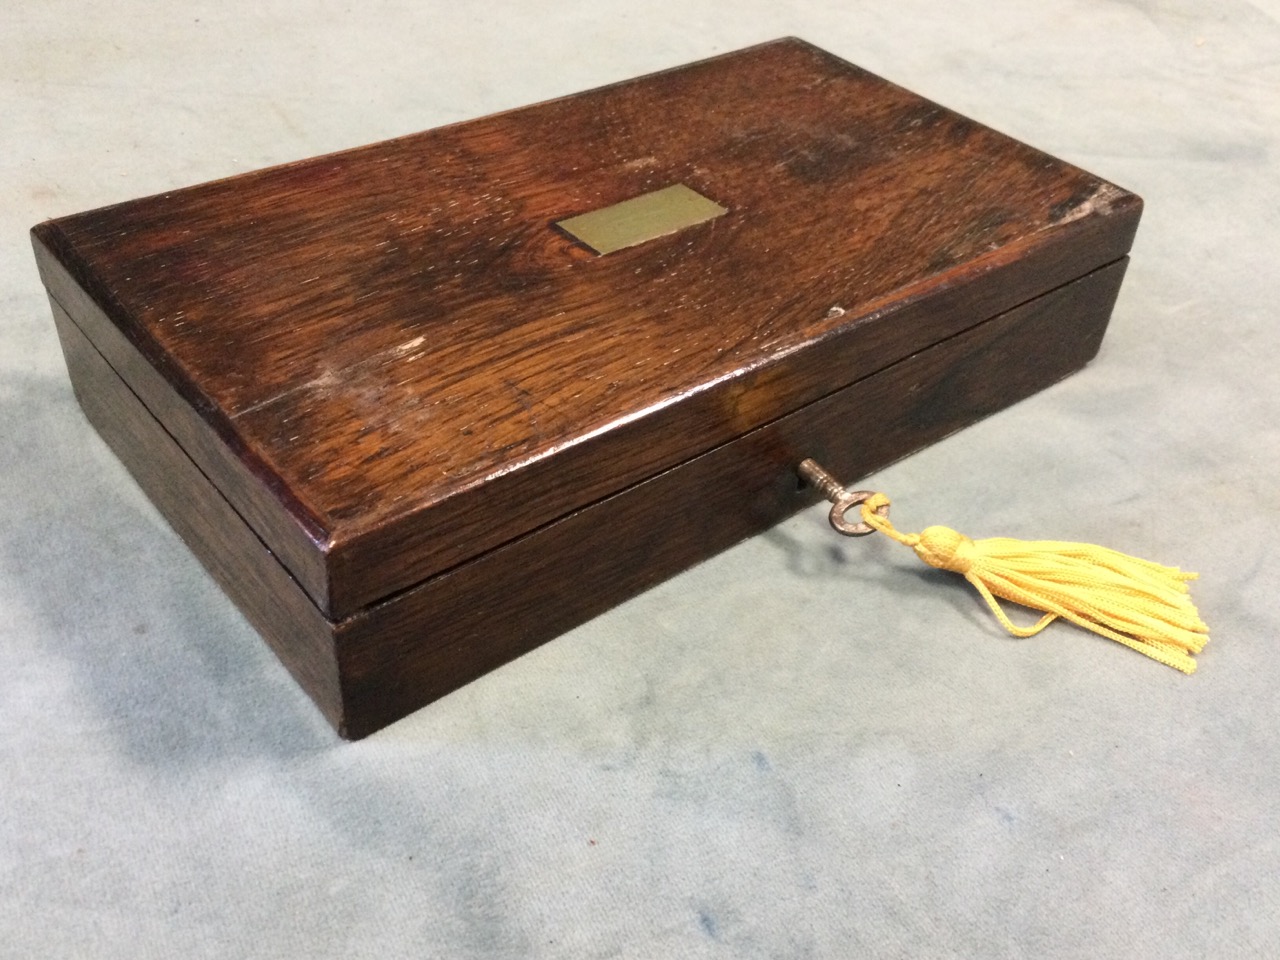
(430, 640)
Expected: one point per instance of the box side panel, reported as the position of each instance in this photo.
(237, 560)
(297, 541)
(440, 635)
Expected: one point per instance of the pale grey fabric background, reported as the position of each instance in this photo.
(805, 748)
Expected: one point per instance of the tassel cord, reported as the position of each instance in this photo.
(1135, 602)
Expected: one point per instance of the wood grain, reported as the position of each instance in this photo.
(390, 362)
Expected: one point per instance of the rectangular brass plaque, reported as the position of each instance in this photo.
(641, 218)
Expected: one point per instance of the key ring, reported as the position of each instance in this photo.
(842, 500)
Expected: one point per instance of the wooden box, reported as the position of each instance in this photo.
(415, 422)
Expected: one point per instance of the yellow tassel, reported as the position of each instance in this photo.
(1141, 604)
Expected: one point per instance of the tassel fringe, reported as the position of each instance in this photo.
(1141, 604)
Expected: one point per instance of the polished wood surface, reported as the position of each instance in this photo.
(389, 362)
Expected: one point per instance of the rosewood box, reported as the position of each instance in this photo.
(423, 405)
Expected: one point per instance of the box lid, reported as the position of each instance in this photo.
(391, 359)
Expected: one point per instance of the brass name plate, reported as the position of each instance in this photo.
(646, 217)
